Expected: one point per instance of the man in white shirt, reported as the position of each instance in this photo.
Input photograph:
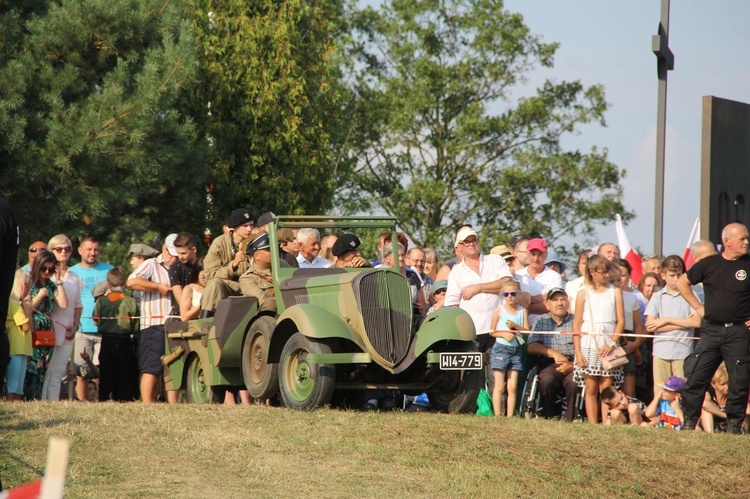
(537, 270)
(474, 283)
(309, 248)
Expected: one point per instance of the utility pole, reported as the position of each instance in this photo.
(664, 63)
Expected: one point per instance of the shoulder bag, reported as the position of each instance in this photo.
(617, 356)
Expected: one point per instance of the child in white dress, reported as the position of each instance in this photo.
(600, 312)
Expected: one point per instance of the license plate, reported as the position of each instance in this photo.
(458, 361)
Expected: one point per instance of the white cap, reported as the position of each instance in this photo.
(463, 234)
(169, 243)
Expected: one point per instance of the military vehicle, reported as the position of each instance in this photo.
(335, 330)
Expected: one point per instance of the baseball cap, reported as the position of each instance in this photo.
(463, 234)
(439, 286)
(552, 292)
(674, 384)
(537, 244)
(169, 243)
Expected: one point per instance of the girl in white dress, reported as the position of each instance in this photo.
(599, 309)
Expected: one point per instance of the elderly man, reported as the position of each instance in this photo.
(650, 263)
(226, 261)
(724, 336)
(474, 283)
(556, 352)
(610, 251)
(151, 278)
(537, 270)
(346, 252)
(415, 258)
(258, 281)
(309, 249)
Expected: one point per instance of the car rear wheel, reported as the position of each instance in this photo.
(261, 378)
(303, 385)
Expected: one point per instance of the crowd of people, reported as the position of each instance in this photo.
(631, 348)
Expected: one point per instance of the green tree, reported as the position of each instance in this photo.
(435, 136)
(91, 138)
(267, 89)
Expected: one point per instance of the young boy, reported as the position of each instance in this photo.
(115, 316)
(669, 315)
(624, 409)
(666, 405)
(506, 353)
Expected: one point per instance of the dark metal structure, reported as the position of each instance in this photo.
(725, 166)
(664, 63)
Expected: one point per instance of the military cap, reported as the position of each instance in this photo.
(260, 242)
(240, 216)
(143, 250)
(285, 236)
(266, 218)
(346, 242)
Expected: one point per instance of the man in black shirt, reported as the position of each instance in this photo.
(725, 335)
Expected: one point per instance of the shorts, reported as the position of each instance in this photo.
(151, 349)
(91, 343)
(506, 358)
(17, 373)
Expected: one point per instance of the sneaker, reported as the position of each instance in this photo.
(371, 405)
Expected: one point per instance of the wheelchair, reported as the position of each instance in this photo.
(531, 401)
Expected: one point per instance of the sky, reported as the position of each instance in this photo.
(609, 43)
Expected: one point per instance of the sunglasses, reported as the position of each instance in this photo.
(510, 293)
(60, 249)
(48, 270)
(34, 250)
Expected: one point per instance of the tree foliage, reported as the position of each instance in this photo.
(91, 138)
(435, 135)
(267, 89)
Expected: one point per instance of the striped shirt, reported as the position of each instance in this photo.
(563, 343)
(153, 303)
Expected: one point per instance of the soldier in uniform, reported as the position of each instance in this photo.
(258, 281)
(346, 252)
(226, 261)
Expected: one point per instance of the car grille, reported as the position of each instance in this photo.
(385, 304)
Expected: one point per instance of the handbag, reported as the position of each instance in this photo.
(43, 338)
(617, 356)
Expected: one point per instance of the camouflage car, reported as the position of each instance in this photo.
(335, 330)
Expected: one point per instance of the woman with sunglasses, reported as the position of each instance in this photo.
(45, 292)
(65, 318)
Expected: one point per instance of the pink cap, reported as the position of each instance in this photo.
(537, 244)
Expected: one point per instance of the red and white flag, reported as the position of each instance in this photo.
(694, 236)
(627, 252)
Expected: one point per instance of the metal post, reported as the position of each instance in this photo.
(664, 63)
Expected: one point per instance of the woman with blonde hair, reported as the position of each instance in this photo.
(65, 319)
(18, 326)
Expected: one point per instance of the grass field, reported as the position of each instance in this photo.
(134, 450)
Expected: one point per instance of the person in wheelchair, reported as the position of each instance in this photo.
(555, 354)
